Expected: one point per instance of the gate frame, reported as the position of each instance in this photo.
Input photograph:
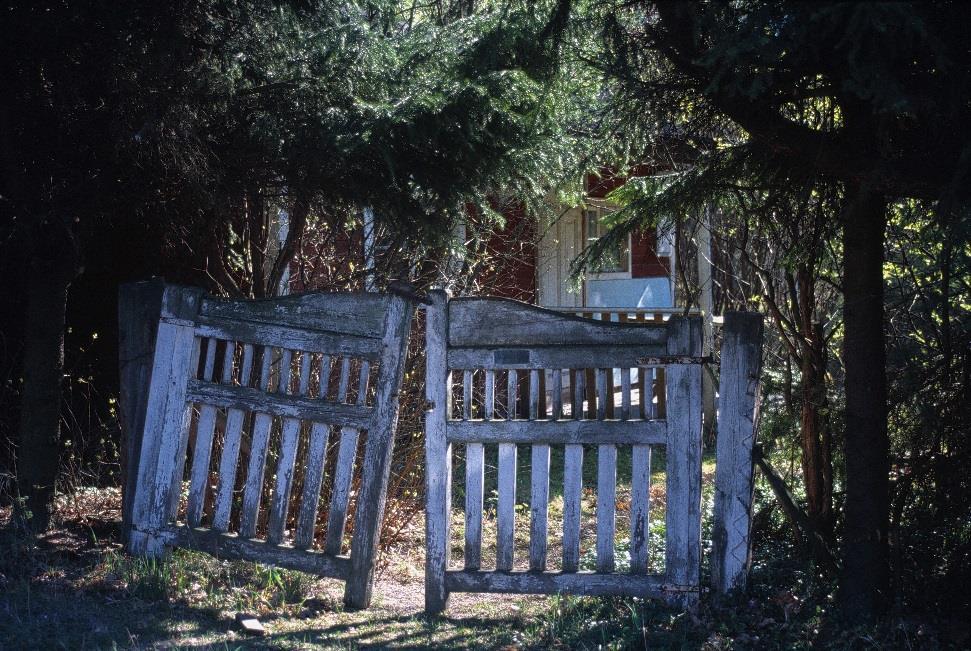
(154, 495)
(683, 426)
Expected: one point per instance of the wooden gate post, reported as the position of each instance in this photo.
(438, 455)
(139, 308)
(683, 509)
(741, 362)
(378, 451)
(165, 418)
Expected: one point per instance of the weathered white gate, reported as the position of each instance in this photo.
(477, 343)
(270, 378)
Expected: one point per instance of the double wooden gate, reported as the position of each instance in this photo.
(485, 361)
(244, 397)
(256, 381)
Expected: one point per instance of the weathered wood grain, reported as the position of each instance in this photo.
(344, 470)
(378, 451)
(741, 361)
(166, 417)
(506, 507)
(279, 336)
(538, 506)
(232, 546)
(139, 308)
(228, 460)
(206, 427)
(514, 356)
(640, 508)
(269, 404)
(572, 493)
(438, 455)
(617, 432)
(474, 481)
(490, 321)
(606, 506)
(355, 314)
(582, 583)
(289, 440)
(253, 487)
(683, 506)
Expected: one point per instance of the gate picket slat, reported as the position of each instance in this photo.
(229, 458)
(323, 384)
(625, 394)
(474, 479)
(249, 517)
(467, 395)
(606, 501)
(175, 490)
(572, 492)
(312, 480)
(506, 508)
(344, 472)
(533, 394)
(557, 394)
(538, 505)
(601, 394)
(288, 457)
(640, 506)
(490, 394)
(206, 427)
(512, 382)
(579, 392)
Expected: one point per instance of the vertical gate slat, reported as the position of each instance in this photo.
(573, 486)
(175, 491)
(474, 478)
(490, 394)
(640, 505)
(506, 508)
(467, 377)
(378, 452)
(512, 380)
(601, 375)
(314, 471)
(324, 381)
(344, 472)
(557, 394)
(579, 391)
(253, 488)
(229, 458)
(625, 394)
(288, 457)
(644, 402)
(683, 500)
(206, 427)
(312, 480)
(438, 453)
(572, 492)
(533, 394)
(538, 504)
(606, 501)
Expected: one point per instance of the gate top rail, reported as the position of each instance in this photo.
(492, 322)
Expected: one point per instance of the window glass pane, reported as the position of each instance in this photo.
(616, 258)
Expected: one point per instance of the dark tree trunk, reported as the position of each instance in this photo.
(52, 268)
(865, 580)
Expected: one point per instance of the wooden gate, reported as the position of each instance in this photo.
(486, 361)
(265, 383)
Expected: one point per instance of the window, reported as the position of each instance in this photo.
(617, 258)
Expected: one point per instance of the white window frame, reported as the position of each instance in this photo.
(603, 209)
